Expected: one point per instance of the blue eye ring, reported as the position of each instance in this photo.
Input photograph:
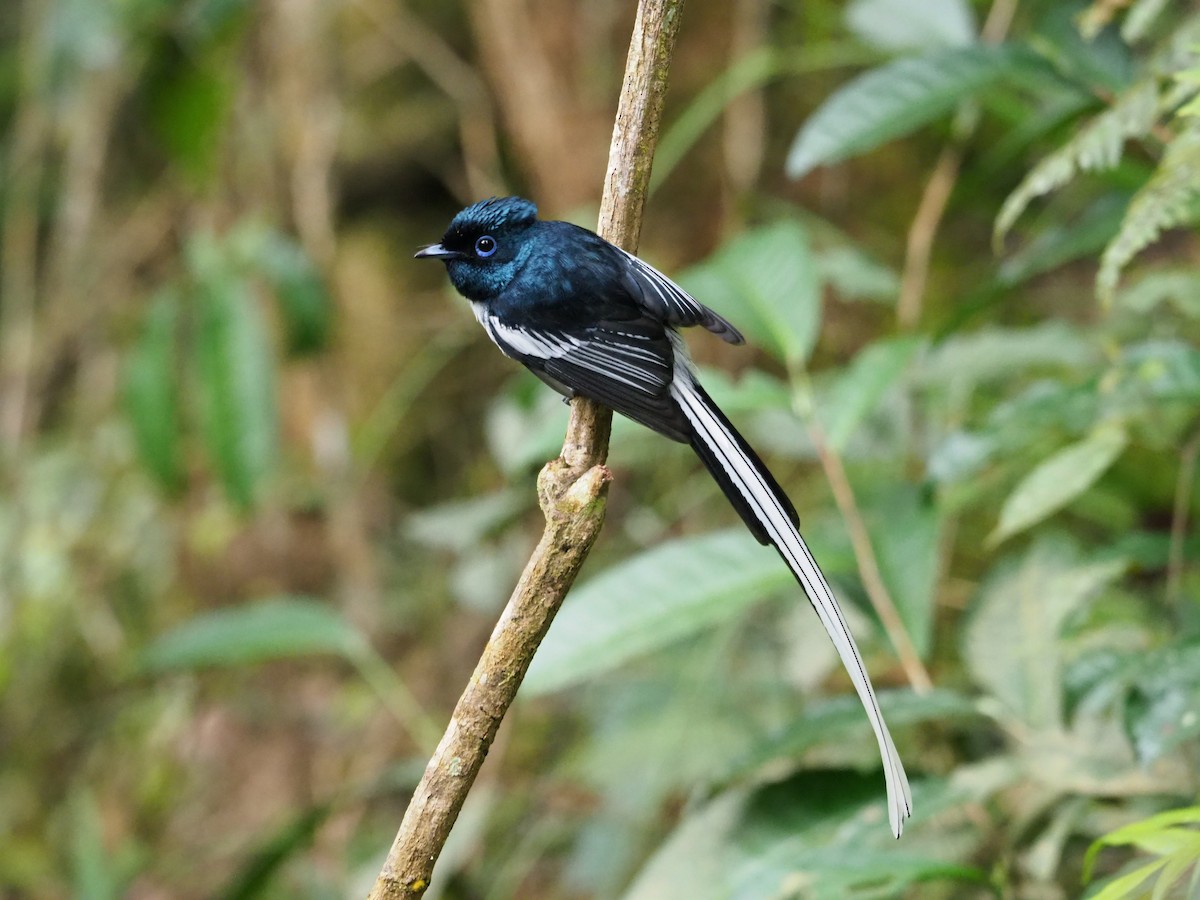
(485, 246)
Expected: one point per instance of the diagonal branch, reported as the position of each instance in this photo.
(572, 490)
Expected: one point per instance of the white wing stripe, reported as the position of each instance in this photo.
(611, 367)
(540, 344)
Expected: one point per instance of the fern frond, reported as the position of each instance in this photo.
(1097, 146)
(1169, 199)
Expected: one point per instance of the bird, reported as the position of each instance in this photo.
(593, 320)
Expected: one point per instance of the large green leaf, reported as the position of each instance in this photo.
(895, 99)
(991, 354)
(1059, 480)
(151, 392)
(654, 599)
(1011, 642)
(903, 25)
(905, 529)
(766, 282)
(278, 628)
(1157, 689)
(303, 300)
(234, 366)
(188, 100)
(859, 389)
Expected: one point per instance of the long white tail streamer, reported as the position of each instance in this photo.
(711, 428)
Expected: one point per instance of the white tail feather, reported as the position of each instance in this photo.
(744, 473)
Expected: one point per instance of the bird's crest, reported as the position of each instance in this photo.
(494, 214)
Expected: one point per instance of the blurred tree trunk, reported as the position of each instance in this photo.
(558, 130)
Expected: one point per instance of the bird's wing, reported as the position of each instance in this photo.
(626, 365)
(667, 302)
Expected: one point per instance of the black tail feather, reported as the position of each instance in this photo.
(733, 493)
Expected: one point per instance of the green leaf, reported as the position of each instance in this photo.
(276, 628)
(235, 379)
(757, 68)
(305, 304)
(765, 281)
(97, 873)
(460, 525)
(1059, 480)
(263, 865)
(1164, 722)
(1165, 835)
(1158, 369)
(905, 528)
(151, 392)
(1126, 886)
(1102, 65)
(853, 275)
(1011, 642)
(827, 830)
(863, 384)
(692, 861)
(996, 354)
(896, 99)
(1177, 287)
(902, 25)
(1055, 245)
(210, 21)
(189, 99)
(661, 596)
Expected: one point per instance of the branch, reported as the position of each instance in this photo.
(572, 491)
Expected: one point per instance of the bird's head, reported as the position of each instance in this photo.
(485, 245)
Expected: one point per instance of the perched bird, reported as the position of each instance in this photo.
(590, 319)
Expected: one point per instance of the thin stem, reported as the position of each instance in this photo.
(867, 562)
(1179, 518)
(921, 233)
(936, 196)
(572, 490)
(19, 240)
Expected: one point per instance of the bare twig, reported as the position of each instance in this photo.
(19, 239)
(924, 227)
(1179, 518)
(922, 231)
(572, 491)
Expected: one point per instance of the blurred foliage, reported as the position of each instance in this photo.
(266, 484)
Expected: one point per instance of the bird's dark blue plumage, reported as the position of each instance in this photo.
(590, 319)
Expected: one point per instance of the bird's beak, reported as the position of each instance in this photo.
(436, 251)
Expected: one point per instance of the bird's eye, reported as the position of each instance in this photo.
(485, 246)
